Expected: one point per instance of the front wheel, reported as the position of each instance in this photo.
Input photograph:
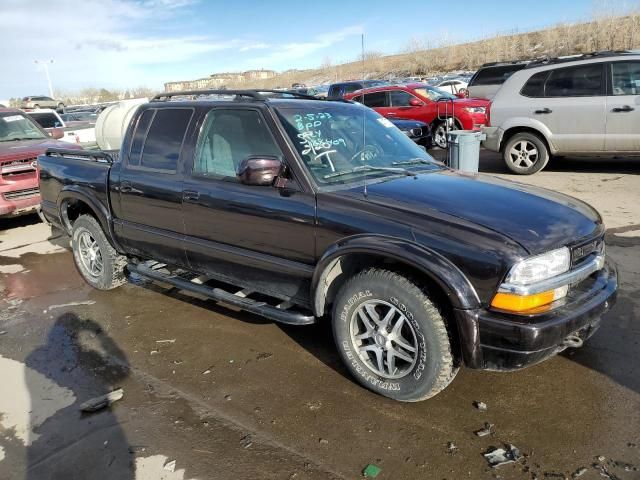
(97, 261)
(525, 153)
(440, 131)
(391, 337)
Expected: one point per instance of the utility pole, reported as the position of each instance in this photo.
(45, 64)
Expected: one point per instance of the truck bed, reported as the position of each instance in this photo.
(83, 172)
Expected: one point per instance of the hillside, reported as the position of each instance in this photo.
(608, 33)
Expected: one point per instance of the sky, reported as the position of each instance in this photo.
(131, 43)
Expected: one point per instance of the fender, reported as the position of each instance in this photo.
(101, 213)
(435, 266)
(532, 123)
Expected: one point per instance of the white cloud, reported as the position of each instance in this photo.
(129, 43)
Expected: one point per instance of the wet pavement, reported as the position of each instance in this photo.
(228, 395)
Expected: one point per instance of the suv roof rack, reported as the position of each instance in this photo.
(504, 64)
(260, 95)
(581, 56)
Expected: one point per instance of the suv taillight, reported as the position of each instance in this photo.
(488, 114)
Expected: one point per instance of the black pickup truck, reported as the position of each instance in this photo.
(302, 209)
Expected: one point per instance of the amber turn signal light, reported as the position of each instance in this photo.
(522, 303)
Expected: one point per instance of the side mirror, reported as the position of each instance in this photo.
(259, 170)
(56, 133)
(414, 102)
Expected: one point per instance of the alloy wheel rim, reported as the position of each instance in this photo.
(524, 152)
(90, 254)
(384, 339)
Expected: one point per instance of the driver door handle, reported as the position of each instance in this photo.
(544, 110)
(391, 114)
(624, 108)
(125, 186)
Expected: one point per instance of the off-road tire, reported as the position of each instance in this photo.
(112, 274)
(434, 367)
(533, 139)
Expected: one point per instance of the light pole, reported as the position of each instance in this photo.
(45, 64)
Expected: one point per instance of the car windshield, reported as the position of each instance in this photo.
(340, 143)
(434, 94)
(15, 126)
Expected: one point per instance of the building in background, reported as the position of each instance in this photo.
(218, 80)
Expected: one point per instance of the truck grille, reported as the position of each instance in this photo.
(584, 250)
(22, 194)
(16, 167)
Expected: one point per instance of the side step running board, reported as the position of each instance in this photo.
(219, 295)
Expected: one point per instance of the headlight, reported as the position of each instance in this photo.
(475, 109)
(529, 272)
(540, 267)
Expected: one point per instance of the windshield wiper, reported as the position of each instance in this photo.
(413, 161)
(361, 168)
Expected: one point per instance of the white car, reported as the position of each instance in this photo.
(82, 133)
(581, 106)
(453, 86)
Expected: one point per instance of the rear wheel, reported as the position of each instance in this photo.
(97, 261)
(525, 153)
(61, 106)
(391, 337)
(36, 106)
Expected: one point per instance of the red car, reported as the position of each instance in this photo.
(21, 141)
(417, 101)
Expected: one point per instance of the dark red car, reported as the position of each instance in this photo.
(417, 101)
(21, 141)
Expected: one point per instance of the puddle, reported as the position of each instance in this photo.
(33, 399)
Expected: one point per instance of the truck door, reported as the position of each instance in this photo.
(623, 107)
(149, 212)
(252, 236)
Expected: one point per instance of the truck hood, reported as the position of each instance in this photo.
(537, 219)
(15, 150)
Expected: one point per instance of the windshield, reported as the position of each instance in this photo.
(341, 143)
(434, 94)
(46, 120)
(15, 126)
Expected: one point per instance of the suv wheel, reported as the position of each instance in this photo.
(97, 261)
(391, 337)
(61, 106)
(525, 153)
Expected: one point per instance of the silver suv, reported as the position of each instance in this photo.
(587, 105)
(42, 102)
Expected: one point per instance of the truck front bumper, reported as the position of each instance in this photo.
(14, 208)
(494, 138)
(498, 341)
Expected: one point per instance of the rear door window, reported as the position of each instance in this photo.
(578, 81)
(376, 100)
(400, 98)
(158, 139)
(625, 78)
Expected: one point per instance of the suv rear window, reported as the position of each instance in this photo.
(496, 75)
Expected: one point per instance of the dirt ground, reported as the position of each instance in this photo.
(212, 393)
